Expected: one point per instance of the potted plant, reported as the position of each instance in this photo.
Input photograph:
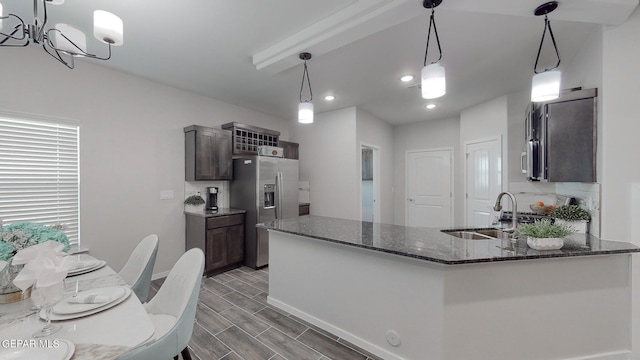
(544, 234)
(572, 215)
(194, 202)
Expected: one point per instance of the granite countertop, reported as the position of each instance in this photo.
(433, 245)
(220, 212)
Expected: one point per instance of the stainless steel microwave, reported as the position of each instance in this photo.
(560, 139)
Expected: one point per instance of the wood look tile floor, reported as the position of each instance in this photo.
(234, 322)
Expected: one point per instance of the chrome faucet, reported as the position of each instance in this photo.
(514, 218)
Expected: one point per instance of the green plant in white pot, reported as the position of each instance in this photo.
(572, 215)
(544, 234)
(194, 202)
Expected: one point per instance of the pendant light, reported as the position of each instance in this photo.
(433, 77)
(545, 85)
(305, 108)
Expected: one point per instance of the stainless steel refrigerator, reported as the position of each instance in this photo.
(561, 138)
(267, 188)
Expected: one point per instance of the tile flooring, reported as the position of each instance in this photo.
(234, 322)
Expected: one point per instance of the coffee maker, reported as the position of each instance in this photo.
(211, 194)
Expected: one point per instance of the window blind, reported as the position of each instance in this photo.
(39, 174)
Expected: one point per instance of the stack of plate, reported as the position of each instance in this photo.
(65, 309)
(56, 349)
(87, 266)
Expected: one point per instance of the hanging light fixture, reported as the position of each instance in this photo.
(545, 85)
(64, 42)
(433, 79)
(305, 108)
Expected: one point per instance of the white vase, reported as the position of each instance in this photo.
(581, 226)
(194, 208)
(545, 243)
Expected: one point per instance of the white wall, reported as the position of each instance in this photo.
(421, 136)
(377, 133)
(620, 146)
(131, 146)
(483, 121)
(329, 160)
(585, 69)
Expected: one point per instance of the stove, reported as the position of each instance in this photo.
(523, 217)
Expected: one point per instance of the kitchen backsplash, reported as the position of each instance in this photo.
(304, 191)
(587, 194)
(193, 187)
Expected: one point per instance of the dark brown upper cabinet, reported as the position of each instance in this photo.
(208, 154)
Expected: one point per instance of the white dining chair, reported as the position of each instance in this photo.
(138, 269)
(173, 311)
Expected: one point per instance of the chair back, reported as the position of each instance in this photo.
(178, 297)
(138, 269)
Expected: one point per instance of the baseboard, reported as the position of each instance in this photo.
(615, 355)
(361, 343)
(160, 275)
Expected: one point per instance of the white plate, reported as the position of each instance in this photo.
(63, 351)
(86, 264)
(64, 307)
(59, 317)
(84, 270)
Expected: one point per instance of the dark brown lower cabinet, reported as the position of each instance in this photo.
(221, 238)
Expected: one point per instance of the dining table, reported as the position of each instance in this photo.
(100, 334)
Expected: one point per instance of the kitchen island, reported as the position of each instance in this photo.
(419, 293)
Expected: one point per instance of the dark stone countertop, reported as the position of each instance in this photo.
(220, 212)
(433, 245)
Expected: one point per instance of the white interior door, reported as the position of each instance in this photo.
(483, 181)
(429, 188)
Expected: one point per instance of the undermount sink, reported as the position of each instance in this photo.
(469, 235)
(496, 233)
(479, 234)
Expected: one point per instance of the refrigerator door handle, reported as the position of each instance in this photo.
(530, 159)
(280, 187)
(278, 195)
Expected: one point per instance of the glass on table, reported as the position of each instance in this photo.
(45, 297)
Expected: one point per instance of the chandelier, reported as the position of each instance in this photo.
(63, 42)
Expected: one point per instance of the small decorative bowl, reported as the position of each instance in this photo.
(540, 210)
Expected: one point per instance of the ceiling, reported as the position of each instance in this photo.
(245, 52)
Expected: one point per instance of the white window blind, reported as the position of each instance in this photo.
(39, 174)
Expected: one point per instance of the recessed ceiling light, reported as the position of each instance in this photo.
(430, 106)
(406, 78)
(329, 97)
